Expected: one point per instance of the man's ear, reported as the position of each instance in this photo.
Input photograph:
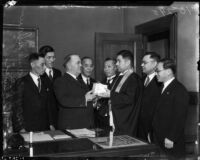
(32, 64)
(128, 62)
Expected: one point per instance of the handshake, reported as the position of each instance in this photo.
(98, 91)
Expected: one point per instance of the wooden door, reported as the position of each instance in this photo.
(109, 44)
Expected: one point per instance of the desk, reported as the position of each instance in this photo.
(81, 147)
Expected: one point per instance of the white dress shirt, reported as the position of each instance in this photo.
(110, 79)
(72, 75)
(151, 76)
(167, 83)
(85, 79)
(47, 71)
(35, 78)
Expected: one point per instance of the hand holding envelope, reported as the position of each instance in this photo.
(101, 90)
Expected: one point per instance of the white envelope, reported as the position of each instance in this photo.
(99, 88)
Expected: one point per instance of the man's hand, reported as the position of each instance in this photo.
(168, 143)
(89, 96)
(105, 95)
(52, 128)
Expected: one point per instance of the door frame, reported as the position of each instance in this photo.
(154, 27)
(101, 38)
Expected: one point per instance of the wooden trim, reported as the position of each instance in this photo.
(158, 26)
(193, 98)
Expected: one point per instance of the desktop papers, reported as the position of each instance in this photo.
(82, 133)
(61, 136)
(117, 141)
(99, 88)
(37, 137)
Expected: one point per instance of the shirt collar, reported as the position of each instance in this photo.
(111, 77)
(34, 77)
(72, 75)
(85, 78)
(151, 76)
(47, 71)
(123, 73)
(167, 83)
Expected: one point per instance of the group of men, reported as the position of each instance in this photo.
(152, 108)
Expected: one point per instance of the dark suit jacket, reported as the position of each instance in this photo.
(170, 117)
(51, 96)
(126, 105)
(102, 121)
(103, 109)
(150, 97)
(85, 85)
(73, 113)
(32, 108)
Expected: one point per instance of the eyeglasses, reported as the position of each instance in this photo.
(158, 71)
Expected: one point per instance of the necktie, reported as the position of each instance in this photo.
(39, 84)
(108, 81)
(50, 75)
(88, 81)
(147, 81)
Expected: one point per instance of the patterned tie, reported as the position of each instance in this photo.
(50, 75)
(147, 81)
(39, 84)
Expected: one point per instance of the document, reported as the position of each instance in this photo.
(99, 88)
(117, 141)
(61, 136)
(82, 133)
(37, 137)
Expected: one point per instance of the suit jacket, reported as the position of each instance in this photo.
(102, 112)
(73, 112)
(103, 108)
(89, 87)
(170, 117)
(150, 98)
(51, 96)
(32, 108)
(126, 105)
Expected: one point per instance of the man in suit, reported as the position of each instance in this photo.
(125, 96)
(75, 107)
(170, 114)
(151, 93)
(32, 111)
(49, 76)
(86, 72)
(102, 110)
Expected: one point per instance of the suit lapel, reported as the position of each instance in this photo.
(169, 88)
(72, 79)
(32, 84)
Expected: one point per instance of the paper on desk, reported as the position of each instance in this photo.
(61, 136)
(84, 132)
(37, 137)
(99, 88)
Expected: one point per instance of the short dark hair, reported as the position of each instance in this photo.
(86, 57)
(169, 64)
(110, 59)
(126, 54)
(67, 58)
(45, 49)
(153, 55)
(34, 56)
